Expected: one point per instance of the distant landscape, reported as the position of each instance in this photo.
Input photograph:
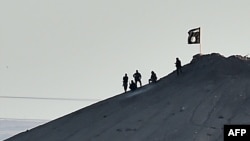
(10, 127)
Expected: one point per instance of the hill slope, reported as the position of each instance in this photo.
(211, 91)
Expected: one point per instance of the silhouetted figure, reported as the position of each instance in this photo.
(153, 77)
(125, 82)
(178, 66)
(137, 77)
(132, 86)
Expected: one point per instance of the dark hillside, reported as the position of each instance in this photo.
(212, 91)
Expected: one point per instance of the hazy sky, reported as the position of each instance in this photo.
(80, 49)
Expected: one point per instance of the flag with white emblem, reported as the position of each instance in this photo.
(194, 36)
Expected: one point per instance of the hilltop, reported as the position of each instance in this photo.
(213, 90)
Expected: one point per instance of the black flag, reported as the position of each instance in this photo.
(194, 36)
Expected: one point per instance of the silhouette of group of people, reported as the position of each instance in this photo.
(137, 77)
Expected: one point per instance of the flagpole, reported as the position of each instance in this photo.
(194, 37)
(200, 41)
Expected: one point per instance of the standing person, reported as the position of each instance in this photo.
(153, 77)
(178, 66)
(125, 82)
(137, 77)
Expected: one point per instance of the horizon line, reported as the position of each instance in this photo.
(50, 98)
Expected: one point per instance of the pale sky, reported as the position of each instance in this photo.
(80, 49)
